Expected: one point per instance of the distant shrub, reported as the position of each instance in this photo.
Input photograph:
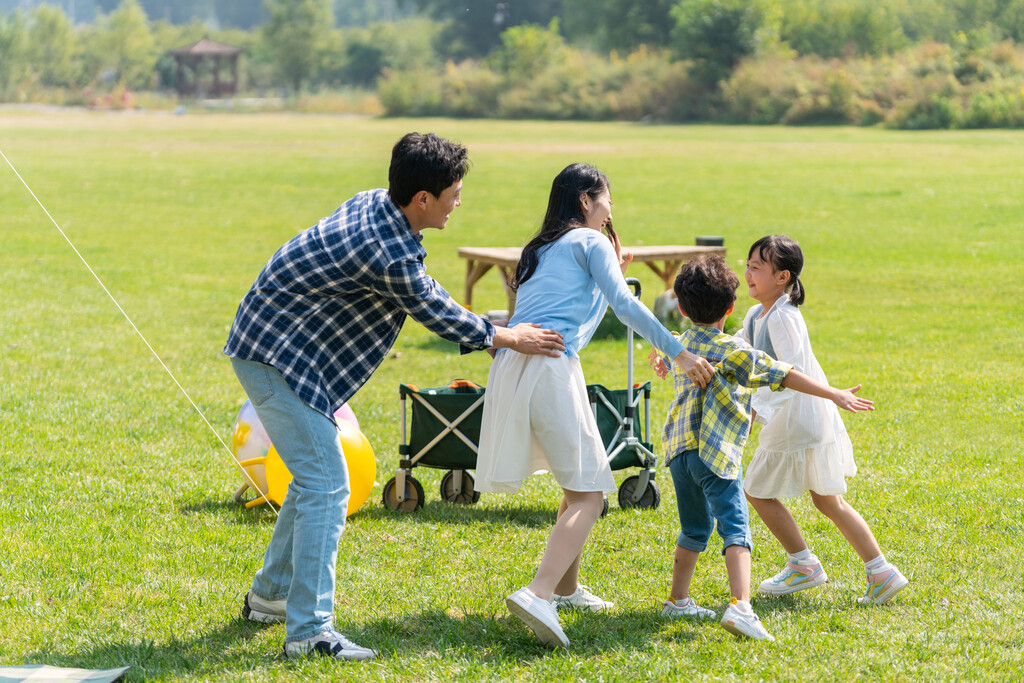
(928, 113)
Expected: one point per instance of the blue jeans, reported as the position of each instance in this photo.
(705, 500)
(300, 561)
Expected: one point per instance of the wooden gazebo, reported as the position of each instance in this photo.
(192, 58)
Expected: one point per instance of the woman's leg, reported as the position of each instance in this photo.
(850, 524)
(560, 565)
(780, 522)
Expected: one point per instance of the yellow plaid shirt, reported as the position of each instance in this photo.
(715, 421)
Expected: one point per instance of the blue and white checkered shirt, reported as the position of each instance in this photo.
(328, 306)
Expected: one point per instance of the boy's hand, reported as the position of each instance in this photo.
(846, 400)
(655, 360)
(625, 258)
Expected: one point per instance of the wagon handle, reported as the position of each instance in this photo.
(635, 284)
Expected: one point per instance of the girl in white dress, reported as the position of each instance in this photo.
(803, 445)
(536, 415)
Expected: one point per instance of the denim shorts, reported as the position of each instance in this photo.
(706, 500)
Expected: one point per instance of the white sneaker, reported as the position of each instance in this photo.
(540, 615)
(582, 599)
(883, 585)
(795, 577)
(328, 643)
(740, 620)
(263, 611)
(686, 608)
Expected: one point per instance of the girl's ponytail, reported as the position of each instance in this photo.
(796, 293)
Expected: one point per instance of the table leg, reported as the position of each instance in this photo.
(474, 271)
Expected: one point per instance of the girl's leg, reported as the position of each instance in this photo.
(780, 522)
(562, 556)
(571, 579)
(850, 524)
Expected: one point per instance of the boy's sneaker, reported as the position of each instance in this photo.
(582, 599)
(686, 608)
(540, 615)
(796, 576)
(883, 585)
(328, 643)
(263, 611)
(743, 622)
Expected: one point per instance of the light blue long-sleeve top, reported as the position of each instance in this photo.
(577, 278)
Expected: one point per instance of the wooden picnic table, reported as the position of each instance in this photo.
(663, 260)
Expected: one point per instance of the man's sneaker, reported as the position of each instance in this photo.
(328, 643)
(686, 608)
(582, 599)
(740, 620)
(263, 611)
(540, 615)
(883, 585)
(796, 576)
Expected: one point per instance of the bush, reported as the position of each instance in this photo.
(931, 112)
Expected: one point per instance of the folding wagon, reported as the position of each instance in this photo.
(444, 433)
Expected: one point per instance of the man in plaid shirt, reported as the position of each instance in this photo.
(320, 318)
(704, 436)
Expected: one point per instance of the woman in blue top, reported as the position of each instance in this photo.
(536, 414)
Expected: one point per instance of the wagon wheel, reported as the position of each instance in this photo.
(468, 496)
(413, 495)
(650, 499)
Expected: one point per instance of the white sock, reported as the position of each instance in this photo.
(804, 554)
(744, 606)
(875, 564)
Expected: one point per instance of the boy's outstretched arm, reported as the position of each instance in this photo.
(844, 398)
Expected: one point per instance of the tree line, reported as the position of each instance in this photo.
(760, 61)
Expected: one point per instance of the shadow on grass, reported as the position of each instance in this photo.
(499, 636)
(214, 653)
(232, 511)
(493, 637)
(441, 511)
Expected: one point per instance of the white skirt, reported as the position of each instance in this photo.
(537, 419)
(822, 469)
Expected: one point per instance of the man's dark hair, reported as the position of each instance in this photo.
(425, 162)
(706, 288)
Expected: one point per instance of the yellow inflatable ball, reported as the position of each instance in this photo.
(258, 456)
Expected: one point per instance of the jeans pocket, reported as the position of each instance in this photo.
(258, 383)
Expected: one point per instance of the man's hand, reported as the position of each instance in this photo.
(530, 339)
(696, 368)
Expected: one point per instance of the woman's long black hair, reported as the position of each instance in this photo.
(564, 213)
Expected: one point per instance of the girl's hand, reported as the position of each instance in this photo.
(655, 360)
(624, 258)
(696, 368)
(846, 400)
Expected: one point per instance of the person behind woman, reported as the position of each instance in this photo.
(803, 445)
(536, 415)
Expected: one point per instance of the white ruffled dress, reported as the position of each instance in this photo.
(803, 445)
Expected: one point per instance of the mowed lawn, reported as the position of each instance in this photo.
(122, 545)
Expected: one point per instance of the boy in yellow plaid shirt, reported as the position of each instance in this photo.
(705, 432)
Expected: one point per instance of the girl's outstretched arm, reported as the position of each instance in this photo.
(844, 398)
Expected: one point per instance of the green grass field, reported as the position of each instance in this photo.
(122, 545)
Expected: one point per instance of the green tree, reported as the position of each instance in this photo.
(619, 24)
(296, 34)
(527, 50)
(121, 47)
(12, 51)
(716, 34)
(51, 46)
(475, 26)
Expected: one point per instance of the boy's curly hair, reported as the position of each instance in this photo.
(706, 288)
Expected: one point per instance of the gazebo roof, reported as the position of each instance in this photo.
(207, 47)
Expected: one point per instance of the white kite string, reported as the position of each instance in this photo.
(141, 336)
